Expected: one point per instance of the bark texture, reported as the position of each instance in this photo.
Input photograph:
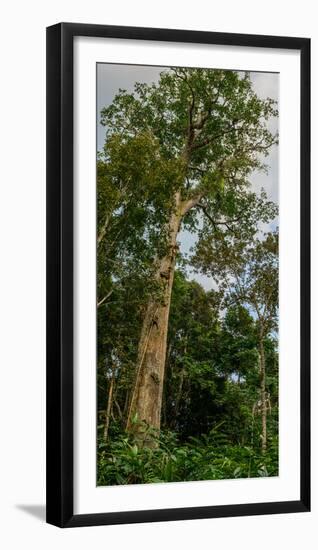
(146, 398)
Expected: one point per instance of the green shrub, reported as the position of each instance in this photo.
(209, 457)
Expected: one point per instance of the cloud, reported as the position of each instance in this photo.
(111, 77)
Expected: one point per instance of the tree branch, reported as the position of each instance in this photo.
(215, 223)
(190, 203)
(108, 295)
(208, 141)
(103, 230)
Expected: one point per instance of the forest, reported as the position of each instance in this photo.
(187, 373)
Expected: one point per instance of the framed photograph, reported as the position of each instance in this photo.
(178, 274)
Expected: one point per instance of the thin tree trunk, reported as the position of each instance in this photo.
(146, 398)
(263, 394)
(126, 404)
(179, 393)
(103, 229)
(164, 409)
(109, 406)
(178, 397)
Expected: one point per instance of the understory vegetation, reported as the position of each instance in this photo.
(211, 426)
(207, 457)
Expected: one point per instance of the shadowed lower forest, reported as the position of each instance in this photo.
(187, 335)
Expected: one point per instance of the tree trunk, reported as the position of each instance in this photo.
(263, 394)
(126, 404)
(146, 398)
(109, 406)
(179, 392)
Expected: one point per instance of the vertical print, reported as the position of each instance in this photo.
(187, 274)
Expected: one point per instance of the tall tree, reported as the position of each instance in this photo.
(129, 214)
(210, 131)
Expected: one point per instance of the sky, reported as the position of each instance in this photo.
(111, 77)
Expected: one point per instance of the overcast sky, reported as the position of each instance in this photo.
(111, 77)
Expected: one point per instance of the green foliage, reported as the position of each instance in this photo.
(209, 457)
(199, 134)
(211, 429)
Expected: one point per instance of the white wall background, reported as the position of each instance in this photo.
(22, 273)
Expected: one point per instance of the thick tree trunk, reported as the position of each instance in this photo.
(146, 398)
(263, 394)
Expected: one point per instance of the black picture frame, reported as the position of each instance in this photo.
(60, 274)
